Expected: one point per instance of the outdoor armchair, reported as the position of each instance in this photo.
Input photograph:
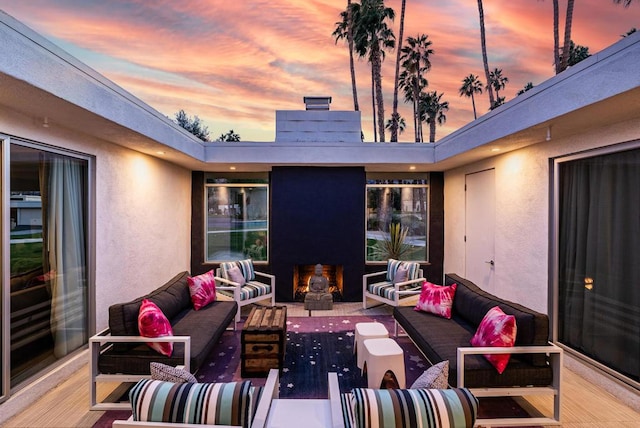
(399, 281)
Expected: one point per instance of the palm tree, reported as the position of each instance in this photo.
(371, 36)
(527, 87)
(415, 60)
(626, 3)
(400, 124)
(395, 115)
(408, 82)
(344, 30)
(497, 80)
(470, 86)
(434, 111)
(564, 57)
(483, 43)
(556, 37)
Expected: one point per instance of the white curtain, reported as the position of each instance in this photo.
(65, 245)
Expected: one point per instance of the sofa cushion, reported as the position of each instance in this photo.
(205, 327)
(472, 303)
(436, 299)
(496, 329)
(153, 323)
(202, 289)
(172, 298)
(439, 338)
(455, 407)
(195, 403)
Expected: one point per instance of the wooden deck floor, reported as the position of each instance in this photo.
(584, 405)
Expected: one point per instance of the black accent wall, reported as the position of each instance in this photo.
(317, 216)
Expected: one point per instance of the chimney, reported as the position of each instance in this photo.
(317, 103)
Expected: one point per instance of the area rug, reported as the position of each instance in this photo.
(316, 346)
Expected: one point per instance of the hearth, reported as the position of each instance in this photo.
(302, 273)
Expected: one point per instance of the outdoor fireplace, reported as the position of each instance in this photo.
(302, 273)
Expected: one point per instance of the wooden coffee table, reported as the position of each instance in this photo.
(263, 340)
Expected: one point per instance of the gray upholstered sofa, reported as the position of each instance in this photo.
(119, 353)
(535, 363)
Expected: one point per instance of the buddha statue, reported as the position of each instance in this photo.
(318, 297)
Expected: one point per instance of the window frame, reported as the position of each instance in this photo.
(7, 141)
(395, 181)
(230, 181)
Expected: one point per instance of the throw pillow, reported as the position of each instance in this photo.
(193, 403)
(496, 329)
(167, 373)
(202, 289)
(235, 275)
(435, 377)
(153, 323)
(455, 407)
(402, 274)
(436, 299)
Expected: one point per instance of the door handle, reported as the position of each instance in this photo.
(491, 262)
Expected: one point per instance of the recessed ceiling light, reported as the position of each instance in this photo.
(495, 149)
(232, 168)
(160, 152)
(412, 167)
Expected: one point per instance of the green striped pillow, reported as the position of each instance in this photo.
(194, 403)
(412, 268)
(246, 266)
(383, 408)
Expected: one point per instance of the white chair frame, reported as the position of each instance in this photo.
(399, 295)
(235, 288)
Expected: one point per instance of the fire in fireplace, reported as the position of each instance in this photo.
(302, 273)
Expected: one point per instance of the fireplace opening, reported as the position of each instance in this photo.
(302, 274)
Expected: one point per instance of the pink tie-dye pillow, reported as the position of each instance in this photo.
(202, 289)
(153, 323)
(436, 299)
(496, 329)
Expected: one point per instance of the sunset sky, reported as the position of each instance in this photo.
(234, 63)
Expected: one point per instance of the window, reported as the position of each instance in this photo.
(48, 258)
(397, 218)
(598, 276)
(237, 223)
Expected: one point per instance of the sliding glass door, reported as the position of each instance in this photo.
(598, 276)
(47, 283)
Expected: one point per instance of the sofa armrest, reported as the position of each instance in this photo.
(103, 338)
(269, 393)
(554, 352)
(337, 420)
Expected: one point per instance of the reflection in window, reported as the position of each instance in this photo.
(598, 246)
(237, 225)
(49, 296)
(397, 219)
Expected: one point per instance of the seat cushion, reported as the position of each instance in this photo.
(250, 290)
(387, 290)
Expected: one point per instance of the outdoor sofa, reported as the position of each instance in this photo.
(535, 365)
(120, 354)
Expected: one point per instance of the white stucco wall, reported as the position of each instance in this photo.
(522, 212)
(143, 213)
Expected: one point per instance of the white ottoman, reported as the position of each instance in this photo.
(364, 331)
(382, 355)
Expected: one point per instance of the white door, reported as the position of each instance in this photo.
(480, 215)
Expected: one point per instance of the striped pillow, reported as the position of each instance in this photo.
(246, 266)
(413, 269)
(382, 408)
(194, 403)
